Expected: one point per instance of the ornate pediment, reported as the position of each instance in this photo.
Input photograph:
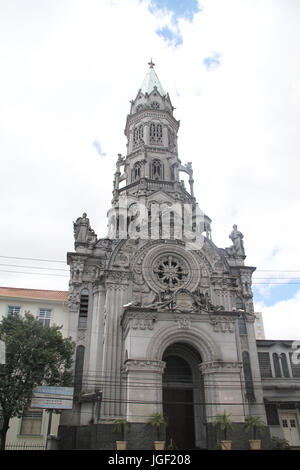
(181, 300)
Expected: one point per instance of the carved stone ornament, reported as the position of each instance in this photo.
(180, 301)
(223, 324)
(183, 322)
(143, 365)
(117, 276)
(142, 321)
(170, 267)
(73, 298)
(224, 367)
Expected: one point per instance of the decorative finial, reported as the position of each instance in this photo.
(151, 64)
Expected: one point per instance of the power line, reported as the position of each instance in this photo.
(34, 259)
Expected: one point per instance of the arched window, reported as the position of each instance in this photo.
(248, 376)
(159, 133)
(135, 136)
(239, 305)
(284, 365)
(152, 133)
(136, 172)
(141, 133)
(276, 365)
(157, 169)
(156, 133)
(79, 361)
(242, 325)
(83, 308)
(138, 134)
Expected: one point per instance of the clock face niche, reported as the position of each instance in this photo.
(170, 268)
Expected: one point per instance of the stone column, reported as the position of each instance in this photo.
(222, 389)
(93, 361)
(144, 388)
(116, 297)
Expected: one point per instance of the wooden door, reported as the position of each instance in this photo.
(179, 409)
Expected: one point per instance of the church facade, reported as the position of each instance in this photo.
(162, 318)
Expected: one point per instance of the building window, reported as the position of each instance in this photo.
(155, 133)
(31, 423)
(83, 309)
(276, 365)
(157, 170)
(79, 362)
(14, 309)
(284, 365)
(264, 364)
(295, 367)
(272, 414)
(242, 325)
(45, 316)
(248, 376)
(136, 172)
(138, 135)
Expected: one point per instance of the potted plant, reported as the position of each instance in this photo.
(120, 426)
(224, 422)
(157, 420)
(280, 444)
(257, 426)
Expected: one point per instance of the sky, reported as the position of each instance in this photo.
(232, 69)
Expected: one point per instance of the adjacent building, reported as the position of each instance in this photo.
(50, 308)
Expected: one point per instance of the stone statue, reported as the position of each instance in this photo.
(83, 232)
(238, 246)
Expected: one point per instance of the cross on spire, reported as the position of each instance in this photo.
(151, 64)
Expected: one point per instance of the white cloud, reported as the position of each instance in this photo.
(69, 69)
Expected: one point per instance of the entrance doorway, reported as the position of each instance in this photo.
(183, 400)
(290, 428)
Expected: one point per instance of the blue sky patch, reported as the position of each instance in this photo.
(276, 293)
(98, 147)
(180, 8)
(213, 61)
(170, 36)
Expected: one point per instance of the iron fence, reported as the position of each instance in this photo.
(24, 446)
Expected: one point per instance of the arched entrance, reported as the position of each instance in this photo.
(183, 397)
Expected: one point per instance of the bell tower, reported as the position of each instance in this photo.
(150, 172)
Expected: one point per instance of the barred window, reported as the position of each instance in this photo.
(14, 309)
(272, 414)
(295, 367)
(31, 423)
(83, 308)
(156, 169)
(276, 365)
(248, 376)
(79, 362)
(265, 364)
(155, 133)
(284, 364)
(45, 316)
(242, 325)
(136, 172)
(138, 134)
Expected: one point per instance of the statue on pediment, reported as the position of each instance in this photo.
(237, 249)
(83, 233)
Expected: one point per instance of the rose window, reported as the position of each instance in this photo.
(170, 271)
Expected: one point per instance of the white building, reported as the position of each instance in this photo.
(163, 319)
(50, 307)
